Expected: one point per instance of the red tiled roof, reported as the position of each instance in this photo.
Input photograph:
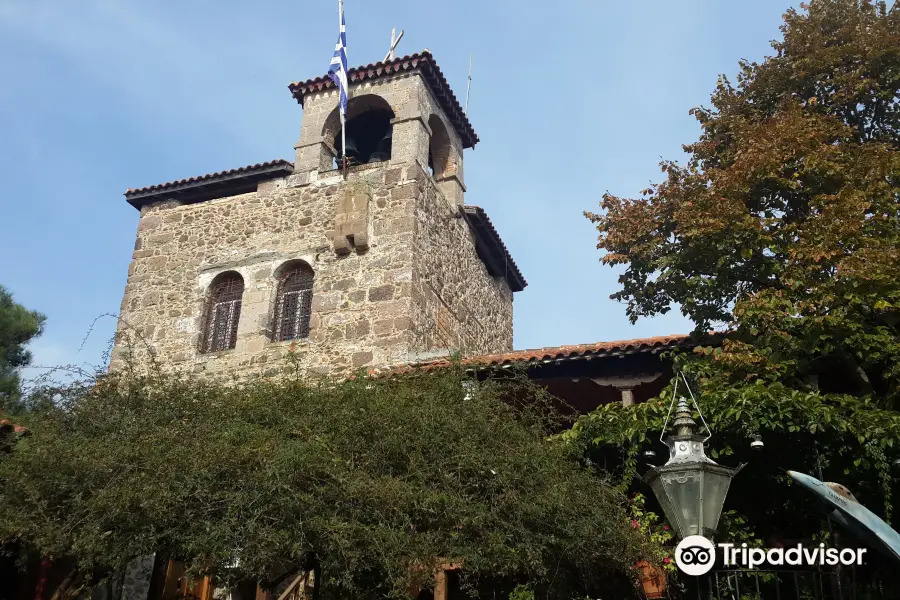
(278, 167)
(217, 175)
(559, 354)
(422, 62)
(491, 248)
(587, 351)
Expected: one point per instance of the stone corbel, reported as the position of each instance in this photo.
(351, 224)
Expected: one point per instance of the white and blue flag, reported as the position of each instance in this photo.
(338, 69)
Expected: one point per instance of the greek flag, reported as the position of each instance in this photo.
(338, 69)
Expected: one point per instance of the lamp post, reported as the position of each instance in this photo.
(690, 487)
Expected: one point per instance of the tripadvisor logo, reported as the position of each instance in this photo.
(696, 555)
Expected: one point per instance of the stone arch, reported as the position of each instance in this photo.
(292, 264)
(293, 300)
(222, 312)
(440, 148)
(369, 130)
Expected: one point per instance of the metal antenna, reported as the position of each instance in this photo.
(469, 85)
(395, 39)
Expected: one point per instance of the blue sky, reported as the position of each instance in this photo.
(571, 98)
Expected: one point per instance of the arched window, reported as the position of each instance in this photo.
(293, 302)
(223, 312)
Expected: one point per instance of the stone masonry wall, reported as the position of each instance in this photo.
(361, 301)
(419, 287)
(458, 305)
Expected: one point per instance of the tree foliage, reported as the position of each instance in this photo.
(838, 437)
(783, 231)
(784, 225)
(849, 438)
(18, 325)
(374, 480)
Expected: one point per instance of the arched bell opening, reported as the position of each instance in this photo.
(439, 148)
(369, 131)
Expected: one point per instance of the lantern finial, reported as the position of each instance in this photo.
(684, 424)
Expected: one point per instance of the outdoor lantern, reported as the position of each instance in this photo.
(690, 487)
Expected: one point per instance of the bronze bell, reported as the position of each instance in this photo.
(352, 152)
(384, 144)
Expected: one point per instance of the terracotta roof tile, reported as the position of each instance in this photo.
(584, 350)
(240, 175)
(422, 62)
(559, 353)
(217, 175)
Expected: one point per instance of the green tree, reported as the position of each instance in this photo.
(373, 480)
(784, 225)
(18, 325)
(782, 230)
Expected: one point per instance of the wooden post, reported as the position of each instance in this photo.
(262, 593)
(440, 585)
(206, 589)
(43, 573)
(173, 572)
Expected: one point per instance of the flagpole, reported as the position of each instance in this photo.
(337, 72)
(344, 162)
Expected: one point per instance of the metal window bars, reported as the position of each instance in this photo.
(293, 304)
(223, 313)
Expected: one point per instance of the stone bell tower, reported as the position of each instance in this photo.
(372, 266)
(407, 100)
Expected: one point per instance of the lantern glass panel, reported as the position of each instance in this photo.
(665, 503)
(715, 488)
(684, 489)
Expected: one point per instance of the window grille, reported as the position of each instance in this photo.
(223, 313)
(294, 303)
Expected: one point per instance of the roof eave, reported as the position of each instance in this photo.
(586, 355)
(555, 356)
(490, 248)
(229, 181)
